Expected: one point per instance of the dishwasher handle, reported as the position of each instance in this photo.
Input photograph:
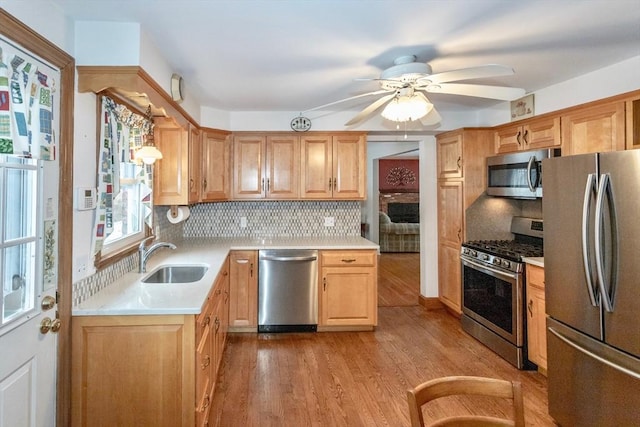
(288, 258)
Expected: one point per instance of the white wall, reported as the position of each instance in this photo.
(615, 79)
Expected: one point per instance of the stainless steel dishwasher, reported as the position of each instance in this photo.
(288, 290)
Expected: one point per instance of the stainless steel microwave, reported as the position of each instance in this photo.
(517, 175)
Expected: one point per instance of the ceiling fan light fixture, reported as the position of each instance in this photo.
(406, 108)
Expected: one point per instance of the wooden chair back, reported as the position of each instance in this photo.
(464, 385)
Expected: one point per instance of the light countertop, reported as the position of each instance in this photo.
(539, 261)
(130, 296)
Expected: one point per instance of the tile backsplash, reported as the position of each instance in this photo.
(273, 218)
(224, 219)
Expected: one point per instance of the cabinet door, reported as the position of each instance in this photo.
(243, 303)
(508, 139)
(283, 167)
(595, 129)
(449, 152)
(536, 317)
(248, 167)
(194, 164)
(450, 212)
(348, 296)
(216, 175)
(633, 123)
(349, 167)
(316, 166)
(542, 133)
(449, 279)
(171, 173)
(133, 371)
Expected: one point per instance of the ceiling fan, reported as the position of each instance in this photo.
(403, 87)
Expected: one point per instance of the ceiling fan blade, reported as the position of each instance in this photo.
(432, 118)
(479, 72)
(370, 109)
(481, 91)
(377, 92)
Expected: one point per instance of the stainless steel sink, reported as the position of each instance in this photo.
(176, 274)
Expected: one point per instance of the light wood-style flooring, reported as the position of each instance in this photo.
(360, 378)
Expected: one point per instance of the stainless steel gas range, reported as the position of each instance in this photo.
(493, 289)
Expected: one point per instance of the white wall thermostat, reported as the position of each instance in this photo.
(86, 198)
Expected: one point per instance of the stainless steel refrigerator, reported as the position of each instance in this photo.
(591, 208)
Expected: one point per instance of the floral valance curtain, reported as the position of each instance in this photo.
(121, 133)
(26, 108)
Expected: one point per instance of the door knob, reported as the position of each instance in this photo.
(45, 325)
(48, 302)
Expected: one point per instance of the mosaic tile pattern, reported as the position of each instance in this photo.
(273, 218)
(93, 284)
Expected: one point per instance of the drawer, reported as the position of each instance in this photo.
(535, 276)
(203, 319)
(348, 258)
(204, 361)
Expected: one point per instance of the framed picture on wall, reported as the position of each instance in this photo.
(522, 108)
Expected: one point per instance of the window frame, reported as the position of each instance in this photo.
(128, 247)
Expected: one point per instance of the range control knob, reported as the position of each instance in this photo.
(506, 264)
(474, 253)
(497, 261)
(485, 257)
(465, 251)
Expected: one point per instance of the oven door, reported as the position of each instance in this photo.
(494, 298)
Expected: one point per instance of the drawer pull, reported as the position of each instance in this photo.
(205, 404)
(348, 261)
(207, 320)
(206, 361)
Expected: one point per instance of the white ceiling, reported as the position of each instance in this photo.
(293, 55)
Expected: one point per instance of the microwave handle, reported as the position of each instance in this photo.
(532, 160)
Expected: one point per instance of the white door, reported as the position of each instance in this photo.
(28, 271)
(29, 121)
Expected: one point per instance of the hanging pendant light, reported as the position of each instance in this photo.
(148, 153)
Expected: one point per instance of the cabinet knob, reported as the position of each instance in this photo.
(530, 307)
(518, 138)
(459, 162)
(206, 361)
(524, 137)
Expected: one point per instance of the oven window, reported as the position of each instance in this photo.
(513, 175)
(489, 297)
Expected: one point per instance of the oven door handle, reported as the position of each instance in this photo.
(489, 270)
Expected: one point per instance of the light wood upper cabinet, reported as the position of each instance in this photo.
(348, 289)
(594, 129)
(266, 166)
(216, 165)
(450, 156)
(531, 134)
(283, 167)
(633, 123)
(195, 144)
(333, 166)
(248, 166)
(536, 316)
(171, 173)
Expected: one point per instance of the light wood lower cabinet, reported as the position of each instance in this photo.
(536, 317)
(148, 370)
(348, 289)
(243, 308)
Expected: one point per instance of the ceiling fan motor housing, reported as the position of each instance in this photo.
(409, 71)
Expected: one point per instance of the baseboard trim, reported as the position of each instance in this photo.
(430, 303)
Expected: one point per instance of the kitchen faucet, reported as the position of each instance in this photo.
(144, 253)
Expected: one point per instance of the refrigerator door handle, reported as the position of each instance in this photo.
(593, 355)
(586, 256)
(603, 190)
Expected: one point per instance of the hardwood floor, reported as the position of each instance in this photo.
(360, 378)
(398, 279)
